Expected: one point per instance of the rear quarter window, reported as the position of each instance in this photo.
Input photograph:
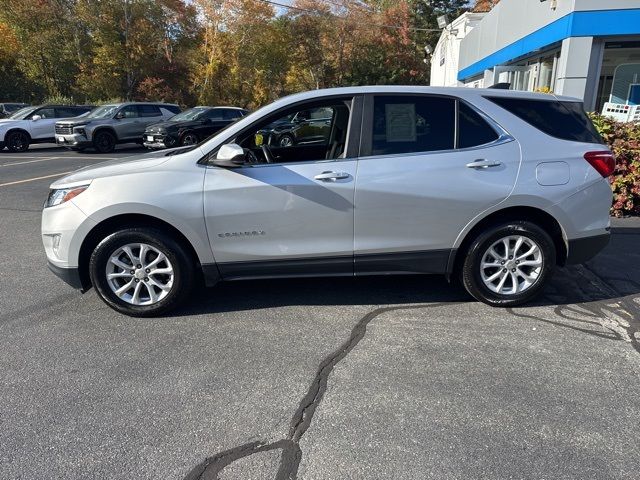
(564, 120)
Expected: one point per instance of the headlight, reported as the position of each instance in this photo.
(59, 196)
(80, 131)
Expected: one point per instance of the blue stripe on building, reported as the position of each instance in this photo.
(577, 24)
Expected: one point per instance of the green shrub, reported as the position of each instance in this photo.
(59, 100)
(624, 141)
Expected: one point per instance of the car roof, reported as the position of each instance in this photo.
(419, 89)
(139, 103)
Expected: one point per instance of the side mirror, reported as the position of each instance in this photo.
(119, 115)
(35, 118)
(230, 155)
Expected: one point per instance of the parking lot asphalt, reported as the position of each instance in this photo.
(367, 378)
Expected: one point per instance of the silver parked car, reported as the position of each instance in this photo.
(109, 125)
(495, 187)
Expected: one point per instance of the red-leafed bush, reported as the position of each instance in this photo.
(624, 141)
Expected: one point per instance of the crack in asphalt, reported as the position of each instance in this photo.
(612, 302)
(301, 420)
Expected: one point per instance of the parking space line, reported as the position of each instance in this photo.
(28, 161)
(33, 179)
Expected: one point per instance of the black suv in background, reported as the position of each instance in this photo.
(306, 127)
(191, 126)
(6, 109)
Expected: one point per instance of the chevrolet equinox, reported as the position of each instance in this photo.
(494, 187)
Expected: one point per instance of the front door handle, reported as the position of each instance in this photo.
(331, 176)
(484, 164)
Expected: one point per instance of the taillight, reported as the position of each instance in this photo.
(604, 162)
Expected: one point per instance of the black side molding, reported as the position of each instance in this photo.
(583, 249)
(70, 276)
(430, 261)
(304, 267)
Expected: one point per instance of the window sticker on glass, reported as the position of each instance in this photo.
(401, 122)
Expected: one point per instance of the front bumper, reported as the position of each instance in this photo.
(584, 249)
(159, 141)
(70, 275)
(74, 140)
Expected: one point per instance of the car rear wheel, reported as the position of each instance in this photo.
(104, 142)
(509, 264)
(141, 272)
(285, 141)
(17, 141)
(189, 139)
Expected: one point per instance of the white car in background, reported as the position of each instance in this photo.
(35, 125)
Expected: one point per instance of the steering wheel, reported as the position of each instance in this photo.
(267, 153)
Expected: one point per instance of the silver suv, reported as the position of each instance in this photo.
(495, 187)
(109, 125)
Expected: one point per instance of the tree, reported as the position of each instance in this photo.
(484, 5)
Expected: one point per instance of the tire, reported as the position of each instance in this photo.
(189, 138)
(17, 141)
(104, 142)
(484, 269)
(285, 141)
(175, 289)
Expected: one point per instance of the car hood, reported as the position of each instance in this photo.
(123, 166)
(4, 121)
(77, 121)
(167, 126)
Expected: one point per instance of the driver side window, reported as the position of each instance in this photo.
(303, 134)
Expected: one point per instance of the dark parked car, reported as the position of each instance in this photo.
(6, 109)
(191, 126)
(302, 128)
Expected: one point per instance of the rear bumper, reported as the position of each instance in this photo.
(583, 249)
(70, 276)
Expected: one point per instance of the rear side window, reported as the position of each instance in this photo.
(231, 114)
(172, 108)
(564, 120)
(407, 124)
(149, 111)
(473, 130)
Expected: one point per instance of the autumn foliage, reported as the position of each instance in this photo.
(624, 141)
(237, 52)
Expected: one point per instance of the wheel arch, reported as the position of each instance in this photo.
(102, 128)
(119, 222)
(535, 215)
(16, 129)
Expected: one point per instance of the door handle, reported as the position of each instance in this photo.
(484, 164)
(331, 176)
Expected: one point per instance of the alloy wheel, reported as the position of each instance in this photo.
(139, 274)
(511, 265)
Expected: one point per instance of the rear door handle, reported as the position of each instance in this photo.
(484, 164)
(331, 176)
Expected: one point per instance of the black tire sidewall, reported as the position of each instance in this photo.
(182, 263)
(471, 276)
(286, 135)
(185, 135)
(112, 143)
(9, 145)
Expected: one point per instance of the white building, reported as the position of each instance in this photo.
(446, 54)
(583, 48)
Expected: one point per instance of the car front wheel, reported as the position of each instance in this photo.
(141, 272)
(104, 142)
(17, 141)
(509, 264)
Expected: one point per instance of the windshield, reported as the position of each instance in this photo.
(191, 114)
(12, 107)
(23, 113)
(106, 111)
